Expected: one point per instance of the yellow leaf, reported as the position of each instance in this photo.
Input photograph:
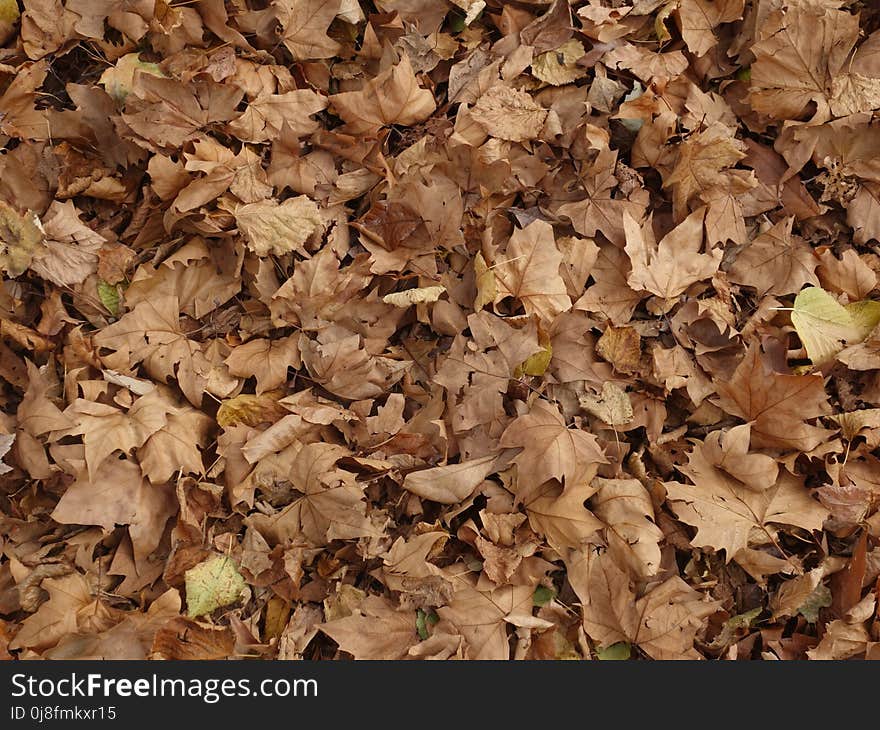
(487, 289)
(19, 237)
(825, 326)
(211, 585)
(865, 316)
(250, 410)
(117, 80)
(559, 66)
(536, 364)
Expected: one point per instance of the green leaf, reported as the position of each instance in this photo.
(423, 621)
(744, 74)
(109, 296)
(543, 595)
(819, 598)
(732, 626)
(211, 585)
(618, 652)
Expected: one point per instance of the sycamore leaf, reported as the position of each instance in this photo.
(702, 166)
(509, 114)
(730, 517)
(625, 507)
(777, 405)
(392, 97)
(550, 450)
(667, 269)
(279, 228)
(799, 51)
(118, 79)
(376, 630)
(776, 261)
(212, 584)
(612, 406)
(700, 18)
(663, 622)
(304, 26)
(266, 360)
(451, 483)
(531, 272)
(479, 612)
(826, 327)
(559, 66)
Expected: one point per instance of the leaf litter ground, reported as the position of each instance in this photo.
(422, 329)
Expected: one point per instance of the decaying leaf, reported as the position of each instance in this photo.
(439, 329)
(211, 585)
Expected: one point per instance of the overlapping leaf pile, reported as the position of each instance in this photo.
(428, 329)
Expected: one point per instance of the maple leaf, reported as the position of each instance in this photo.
(611, 294)
(559, 514)
(151, 333)
(70, 600)
(279, 228)
(165, 112)
(550, 450)
(117, 494)
(331, 506)
(509, 114)
(338, 360)
(304, 26)
(668, 268)
(703, 159)
(800, 50)
(266, 360)
(392, 97)
(531, 272)
(267, 115)
(776, 261)
(777, 405)
(600, 210)
(451, 483)
(729, 516)
(376, 630)
(663, 622)
(477, 371)
(106, 429)
(625, 507)
(479, 612)
(700, 18)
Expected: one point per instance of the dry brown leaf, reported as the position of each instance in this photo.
(392, 97)
(530, 273)
(550, 450)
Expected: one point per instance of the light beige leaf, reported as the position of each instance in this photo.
(612, 406)
(451, 483)
(276, 228)
(509, 114)
(559, 67)
(625, 507)
(408, 297)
